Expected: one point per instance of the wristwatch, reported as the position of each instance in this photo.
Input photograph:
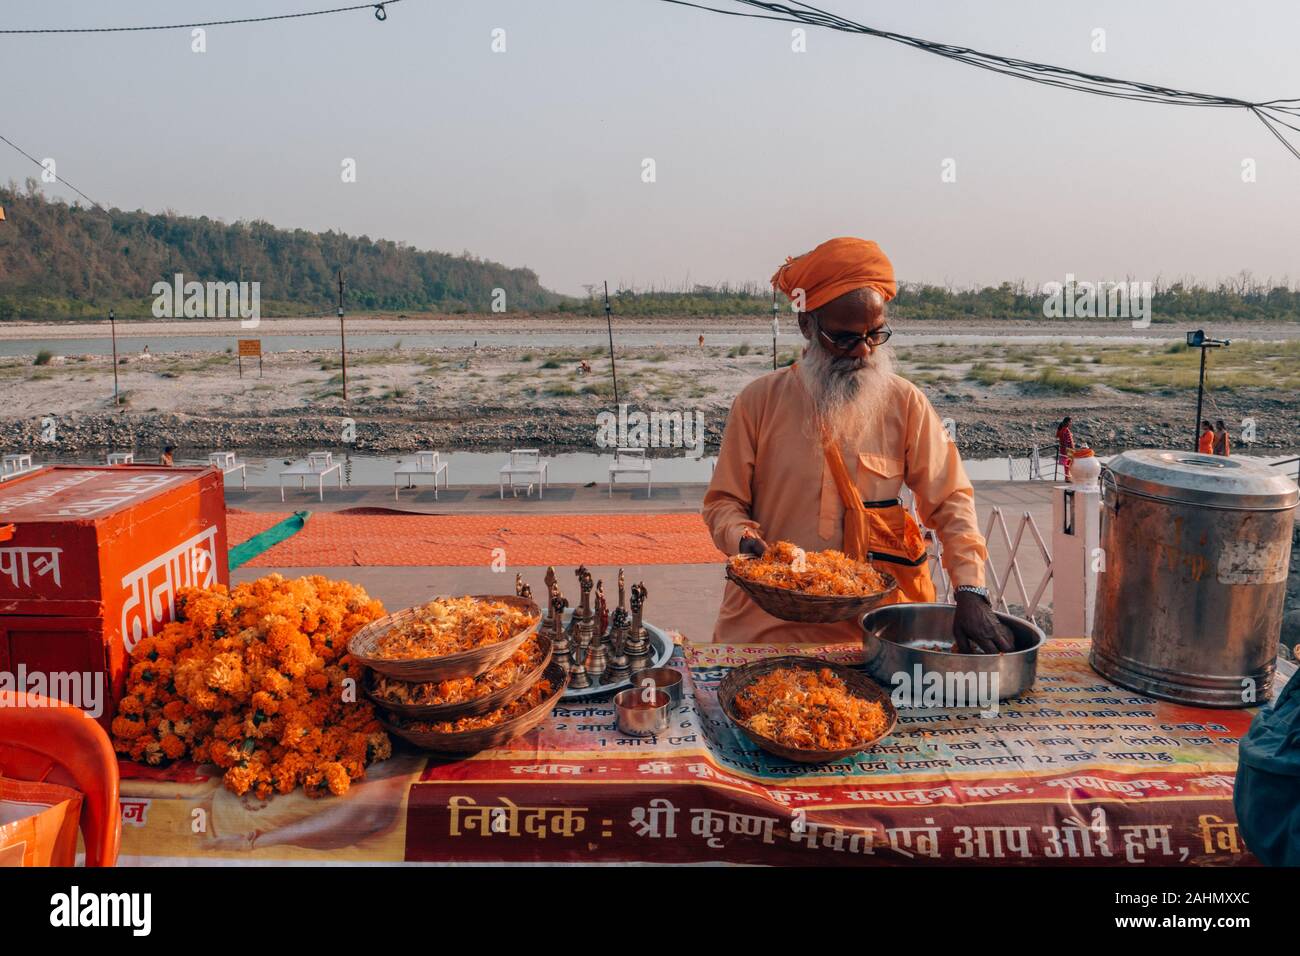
(972, 589)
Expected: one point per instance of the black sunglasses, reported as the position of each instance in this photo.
(848, 341)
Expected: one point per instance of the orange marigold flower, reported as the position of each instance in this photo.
(174, 710)
(127, 728)
(336, 778)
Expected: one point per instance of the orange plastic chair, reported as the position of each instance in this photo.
(58, 743)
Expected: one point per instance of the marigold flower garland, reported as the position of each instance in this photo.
(252, 679)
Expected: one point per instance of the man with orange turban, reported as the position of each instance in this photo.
(818, 453)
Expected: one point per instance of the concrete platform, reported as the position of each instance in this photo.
(563, 499)
(682, 596)
(477, 499)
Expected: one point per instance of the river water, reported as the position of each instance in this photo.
(579, 339)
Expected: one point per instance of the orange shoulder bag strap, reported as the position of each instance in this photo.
(857, 530)
(905, 555)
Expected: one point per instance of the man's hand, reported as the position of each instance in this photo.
(753, 544)
(976, 629)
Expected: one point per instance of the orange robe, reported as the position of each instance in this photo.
(772, 477)
(1205, 445)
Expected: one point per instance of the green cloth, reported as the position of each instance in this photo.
(246, 551)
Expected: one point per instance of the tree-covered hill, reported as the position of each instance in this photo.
(1242, 298)
(58, 260)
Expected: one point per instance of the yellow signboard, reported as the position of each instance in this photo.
(250, 347)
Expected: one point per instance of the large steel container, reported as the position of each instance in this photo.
(1192, 584)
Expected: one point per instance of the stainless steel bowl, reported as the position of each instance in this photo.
(642, 713)
(666, 679)
(905, 643)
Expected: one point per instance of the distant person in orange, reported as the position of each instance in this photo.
(167, 458)
(1205, 444)
(1222, 446)
(701, 341)
(1064, 444)
(818, 453)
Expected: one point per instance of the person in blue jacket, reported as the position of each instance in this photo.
(1267, 794)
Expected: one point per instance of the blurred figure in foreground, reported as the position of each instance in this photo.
(1267, 793)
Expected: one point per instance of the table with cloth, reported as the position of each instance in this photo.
(1077, 772)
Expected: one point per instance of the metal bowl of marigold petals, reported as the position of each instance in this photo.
(469, 735)
(801, 607)
(494, 627)
(854, 683)
(469, 696)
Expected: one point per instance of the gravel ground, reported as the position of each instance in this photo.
(987, 425)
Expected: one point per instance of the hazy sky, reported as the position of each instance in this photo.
(533, 157)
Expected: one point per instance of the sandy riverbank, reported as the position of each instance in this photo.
(1003, 396)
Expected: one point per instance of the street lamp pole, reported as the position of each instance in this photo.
(1199, 340)
(112, 325)
(343, 339)
(776, 328)
(609, 324)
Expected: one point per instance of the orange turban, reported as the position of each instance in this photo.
(835, 267)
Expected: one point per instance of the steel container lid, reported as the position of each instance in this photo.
(1208, 480)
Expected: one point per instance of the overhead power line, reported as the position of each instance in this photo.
(380, 14)
(1274, 114)
(57, 177)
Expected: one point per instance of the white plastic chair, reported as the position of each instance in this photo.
(224, 461)
(15, 464)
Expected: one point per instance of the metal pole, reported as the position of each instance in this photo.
(774, 328)
(1200, 396)
(112, 325)
(609, 324)
(343, 339)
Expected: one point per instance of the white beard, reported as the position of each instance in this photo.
(849, 395)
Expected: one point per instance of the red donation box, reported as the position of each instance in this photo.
(92, 566)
